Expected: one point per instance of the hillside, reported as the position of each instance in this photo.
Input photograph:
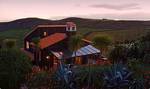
(117, 30)
(28, 23)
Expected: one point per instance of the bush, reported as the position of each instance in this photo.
(9, 43)
(43, 80)
(146, 58)
(119, 54)
(13, 68)
(102, 42)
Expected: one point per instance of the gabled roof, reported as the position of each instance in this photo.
(52, 39)
(68, 24)
(43, 26)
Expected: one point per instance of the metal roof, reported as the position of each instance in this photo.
(86, 50)
(83, 51)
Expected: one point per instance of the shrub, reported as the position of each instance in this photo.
(9, 43)
(13, 68)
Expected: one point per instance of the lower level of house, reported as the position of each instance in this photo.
(51, 57)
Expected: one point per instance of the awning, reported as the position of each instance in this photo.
(83, 51)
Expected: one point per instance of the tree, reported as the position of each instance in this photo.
(102, 42)
(140, 49)
(134, 52)
(13, 68)
(119, 54)
(75, 43)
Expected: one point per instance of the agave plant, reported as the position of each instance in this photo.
(117, 77)
(66, 77)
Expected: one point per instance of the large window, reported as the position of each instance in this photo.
(27, 45)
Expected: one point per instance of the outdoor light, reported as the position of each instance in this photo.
(47, 57)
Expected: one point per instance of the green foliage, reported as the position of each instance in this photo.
(38, 80)
(89, 77)
(134, 51)
(75, 42)
(13, 68)
(44, 80)
(102, 41)
(36, 40)
(141, 49)
(146, 58)
(137, 84)
(119, 54)
(9, 43)
(17, 34)
(118, 76)
(136, 67)
(117, 35)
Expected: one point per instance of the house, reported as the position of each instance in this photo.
(49, 43)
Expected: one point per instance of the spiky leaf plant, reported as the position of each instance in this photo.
(117, 77)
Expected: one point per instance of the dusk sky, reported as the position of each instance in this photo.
(58, 9)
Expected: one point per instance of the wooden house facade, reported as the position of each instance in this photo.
(48, 43)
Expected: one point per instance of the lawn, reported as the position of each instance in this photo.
(17, 34)
(119, 35)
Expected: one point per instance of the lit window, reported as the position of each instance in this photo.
(45, 33)
(27, 45)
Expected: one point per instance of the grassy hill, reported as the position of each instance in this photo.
(117, 30)
(119, 35)
(17, 34)
(28, 23)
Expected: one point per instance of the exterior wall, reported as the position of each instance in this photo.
(50, 31)
(46, 31)
(40, 33)
(46, 52)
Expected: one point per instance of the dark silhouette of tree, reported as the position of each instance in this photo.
(119, 54)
